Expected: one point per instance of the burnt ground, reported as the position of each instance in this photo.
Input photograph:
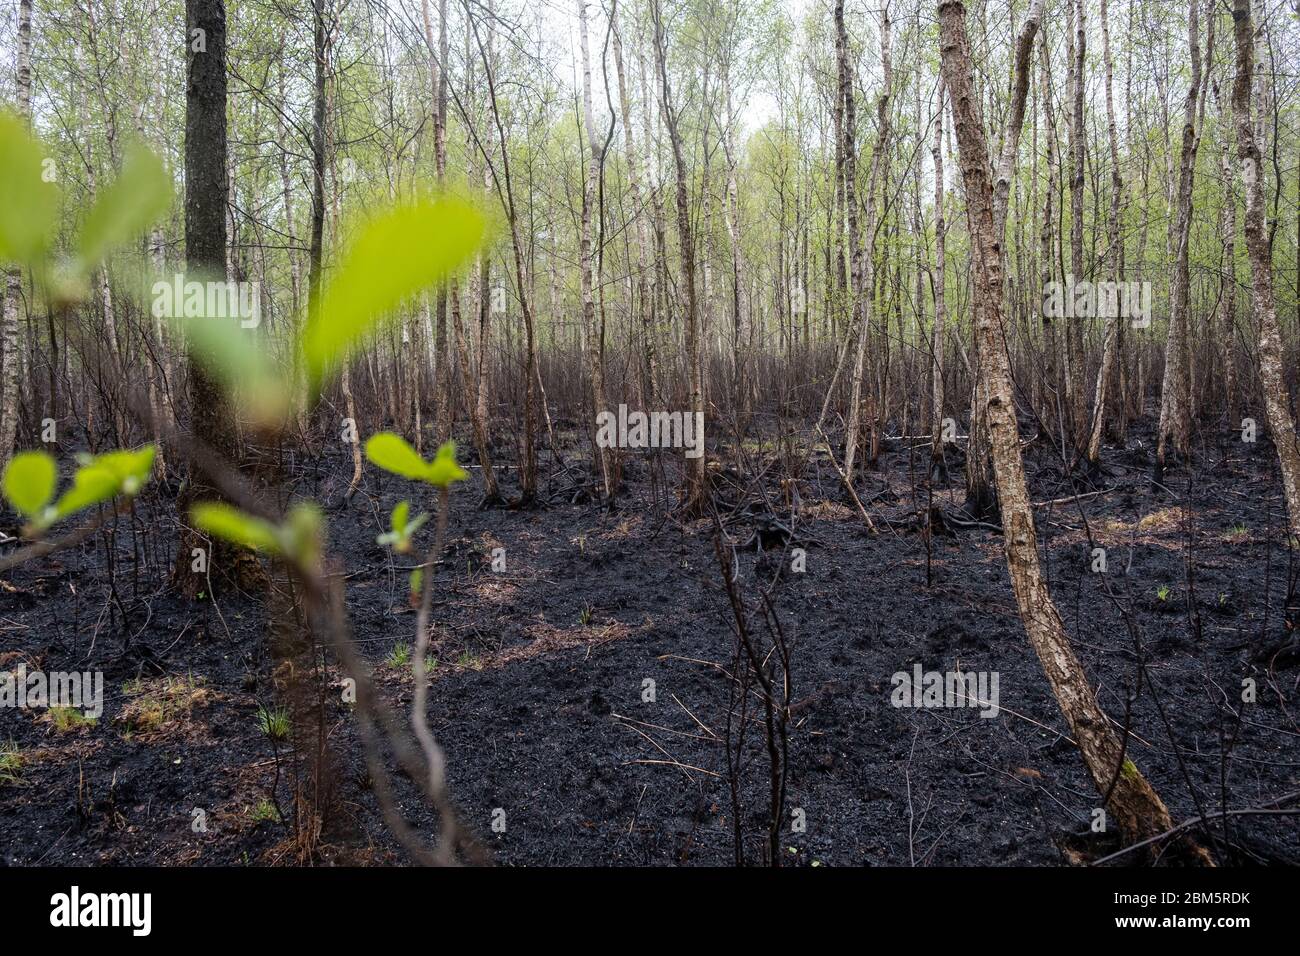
(537, 693)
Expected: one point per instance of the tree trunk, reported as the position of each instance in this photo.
(1276, 396)
(595, 360)
(1075, 416)
(1135, 807)
(650, 389)
(206, 185)
(695, 490)
(938, 465)
(1226, 323)
(505, 188)
(1175, 390)
(10, 339)
(862, 265)
(1109, 349)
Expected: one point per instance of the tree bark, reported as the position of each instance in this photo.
(695, 490)
(1135, 806)
(206, 189)
(1276, 395)
(640, 229)
(938, 465)
(1076, 418)
(1175, 390)
(595, 359)
(10, 337)
(1109, 348)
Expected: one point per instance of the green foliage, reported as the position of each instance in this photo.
(265, 811)
(29, 481)
(11, 763)
(444, 470)
(239, 359)
(129, 469)
(30, 477)
(400, 655)
(402, 528)
(273, 722)
(395, 255)
(393, 453)
(90, 486)
(140, 195)
(28, 204)
(228, 523)
(29, 209)
(297, 539)
(68, 719)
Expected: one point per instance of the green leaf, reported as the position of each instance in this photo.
(417, 578)
(302, 532)
(230, 524)
(397, 254)
(29, 481)
(444, 469)
(400, 514)
(28, 204)
(393, 453)
(131, 468)
(91, 485)
(236, 357)
(138, 197)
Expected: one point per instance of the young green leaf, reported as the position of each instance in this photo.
(303, 529)
(131, 468)
(91, 485)
(400, 514)
(444, 469)
(28, 202)
(140, 194)
(29, 481)
(230, 524)
(393, 453)
(397, 254)
(239, 359)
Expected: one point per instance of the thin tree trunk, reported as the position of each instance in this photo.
(1076, 419)
(1134, 805)
(10, 339)
(595, 360)
(650, 389)
(695, 490)
(1276, 395)
(1227, 320)
(1175, 390)
(505, 188)
(1109, 348)
(938, 464)
(206, 187)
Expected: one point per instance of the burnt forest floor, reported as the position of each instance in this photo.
(539, 689)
